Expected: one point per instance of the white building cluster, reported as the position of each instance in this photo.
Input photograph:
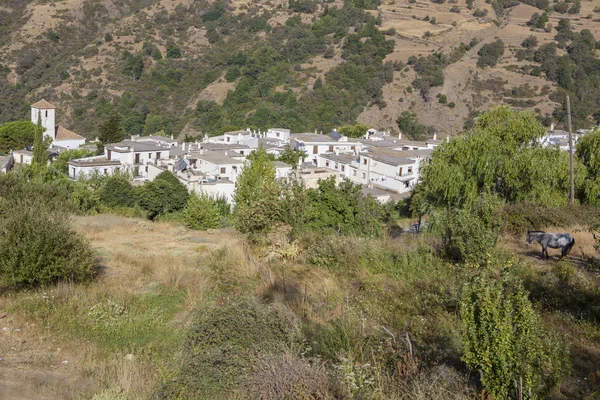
(386, 167)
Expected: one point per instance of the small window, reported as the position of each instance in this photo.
(343, 168)
(157, 154)
(330, 148)
(46, 113)
(406, 185)
(327, 163)
(315, 149)
(228, 138)
(242, 152)
(364, 175)
(364, 161)
(354, 172)
(353, 147)
(410, 170)
(105, 171)
(277, 134)
(223, 170)
(400, 171)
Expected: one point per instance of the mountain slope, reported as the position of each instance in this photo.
(196, 66)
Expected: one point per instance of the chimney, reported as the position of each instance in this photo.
(171, 136)
(400, 135)
(447, 139)
(552, 126)
(435, 136)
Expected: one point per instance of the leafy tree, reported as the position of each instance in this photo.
(61, 163)
(111, 130)
(116, 191)
(292, 156)
(497, 157)
(16, 135)
(40, 155)
(165, 194)
(354, 131)
(490, 54)
(504, 339)
(156, 123)
(133, 65)
(588, 151)
(530, 42)
(408, 124)
(345, 209)
(201, 213)
(257, 195)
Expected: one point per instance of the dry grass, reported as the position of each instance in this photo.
(160, 264)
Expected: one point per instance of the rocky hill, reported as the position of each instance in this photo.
(187, 66)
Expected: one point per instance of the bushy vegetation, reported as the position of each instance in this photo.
(37, 245)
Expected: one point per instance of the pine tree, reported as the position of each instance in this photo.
(111, 130)
(40, 156)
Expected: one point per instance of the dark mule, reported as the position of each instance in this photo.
(562, 241)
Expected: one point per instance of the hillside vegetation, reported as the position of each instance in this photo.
(319, 293)
(205, 67)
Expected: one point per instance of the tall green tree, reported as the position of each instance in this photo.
(257, 195)
(498, 156)
(588, 151)
(111, 130)
(504, 340)
(16, 135)
(40, 155)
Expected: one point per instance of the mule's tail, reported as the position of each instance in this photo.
(570, 245)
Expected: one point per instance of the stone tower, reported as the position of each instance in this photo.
(48, 113)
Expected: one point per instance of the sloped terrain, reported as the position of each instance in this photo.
(207, 66)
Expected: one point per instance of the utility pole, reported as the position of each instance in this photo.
(571, 173)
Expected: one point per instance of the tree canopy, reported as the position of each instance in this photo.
(16, 135)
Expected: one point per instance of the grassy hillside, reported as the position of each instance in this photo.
(185, 314)
(201, 66)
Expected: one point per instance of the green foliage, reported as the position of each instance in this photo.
(133, 65)
(201, 213)
(165, 194)
(111, 130)
(116, 191)
(505, 340)
(588, 151)
(221, 347)
(37, 246)
(61, 162)
(40, 155)
(490, 54)
(173, 51)
(16, 135)
(409, 125)
(344, 209)
(497, 157)
(257, 195)
(292, 157)
(469, 234)
(354, 131)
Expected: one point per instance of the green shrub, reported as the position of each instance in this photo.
(37, 247)
(222, 345)
(505, 341)
(202, 213)
(116, 191)
(163, 195)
